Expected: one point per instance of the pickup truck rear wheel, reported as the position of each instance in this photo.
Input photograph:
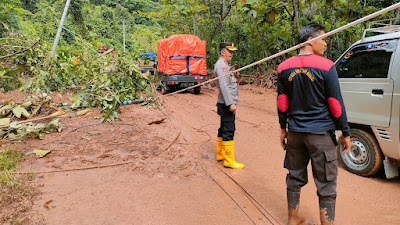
(197, 90)
(365, 157)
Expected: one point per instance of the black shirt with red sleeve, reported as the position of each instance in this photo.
(309, 98)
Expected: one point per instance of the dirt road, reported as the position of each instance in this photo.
(170, 175)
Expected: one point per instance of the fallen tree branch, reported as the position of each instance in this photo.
(58, 112)
(157, 121)
(76, 169)
(22, 51)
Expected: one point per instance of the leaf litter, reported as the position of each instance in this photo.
(13, 116)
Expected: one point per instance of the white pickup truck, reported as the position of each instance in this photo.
(369, 76)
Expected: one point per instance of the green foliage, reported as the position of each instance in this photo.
(9, 12)
(103, 82)
(15, 189)
(9, 79)
(9, 159)
(77, 16)
(30, 5)
(261, 28)
(145, 38)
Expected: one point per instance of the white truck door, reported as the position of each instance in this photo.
(366, 86)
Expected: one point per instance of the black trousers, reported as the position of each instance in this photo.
(320, 149)
(227, 126)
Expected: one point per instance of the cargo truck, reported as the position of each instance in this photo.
(181, 62)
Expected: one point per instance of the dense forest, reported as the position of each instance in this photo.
(258, 27)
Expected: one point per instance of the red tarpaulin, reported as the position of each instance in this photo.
(178, 52)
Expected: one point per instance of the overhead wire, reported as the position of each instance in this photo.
(352, 24)
(71, 32)
(251, 198)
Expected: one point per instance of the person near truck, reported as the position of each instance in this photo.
(310, 109)
(226, 107)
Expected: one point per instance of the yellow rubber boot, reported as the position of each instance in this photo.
(229, 153)
(220, 154)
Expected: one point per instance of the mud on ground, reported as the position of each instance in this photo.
(166, 178)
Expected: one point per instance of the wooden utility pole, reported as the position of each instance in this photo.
(123, 30)
(60, 27)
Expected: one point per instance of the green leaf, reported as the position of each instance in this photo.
(5, 109)
(101, 119)
(251, 1)
(5, 121)
(26, 104)
(115, 114)
(13, 125)
(22, 11)
(20, 111)
(252, 13)
(107, 83)
(36, 110)
(41, 153)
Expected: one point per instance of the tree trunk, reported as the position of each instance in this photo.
(295, 4)
(295, 21)
(195, 24)
(259, 36)
(260, 66)
(221, 16)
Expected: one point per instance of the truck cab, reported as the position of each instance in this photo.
(148, 63)
(369, 76)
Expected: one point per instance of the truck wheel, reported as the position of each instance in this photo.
(197, 90)
(365, 157)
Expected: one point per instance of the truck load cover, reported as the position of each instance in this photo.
(150, 63)
(182, 54)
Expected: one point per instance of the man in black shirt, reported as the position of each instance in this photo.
(310, 109)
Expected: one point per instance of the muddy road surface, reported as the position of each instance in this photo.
(129, 172)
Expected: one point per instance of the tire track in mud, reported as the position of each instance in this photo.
(253, 210)
(259, 148)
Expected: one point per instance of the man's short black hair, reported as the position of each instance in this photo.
(310, 30)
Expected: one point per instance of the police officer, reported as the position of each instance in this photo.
(226, 107)
(311, 108)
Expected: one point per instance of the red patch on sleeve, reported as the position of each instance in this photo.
(283, 103)
(335, 107)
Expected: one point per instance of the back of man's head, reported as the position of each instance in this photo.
(310, 30)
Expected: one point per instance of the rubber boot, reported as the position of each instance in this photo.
(327, 212)
(293, 199)
(220, 154)
(228, 148)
